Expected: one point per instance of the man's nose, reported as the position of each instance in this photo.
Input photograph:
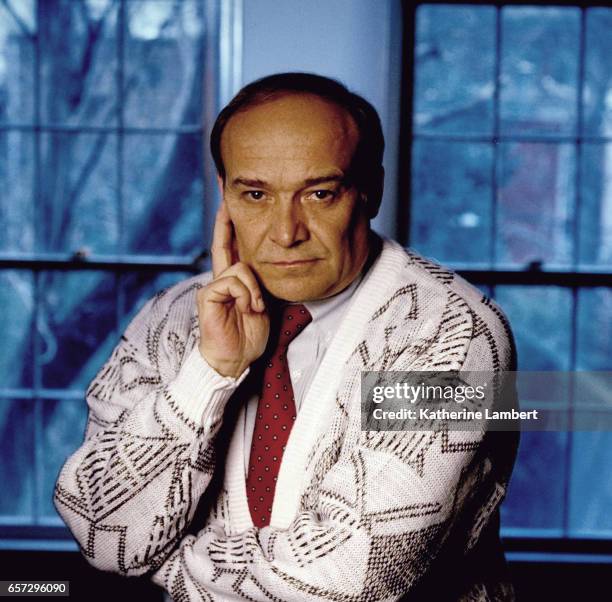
(288, 225)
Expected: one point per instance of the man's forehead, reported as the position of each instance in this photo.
(293, 126)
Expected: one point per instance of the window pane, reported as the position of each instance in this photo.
(17, 23)
(78, 50)
(537, 483)
(63, 431)
(594, 329)
(16, 322)
(163, 194)
(536, 203)
(540, 318)
(596, 204)
(539, 85)
(77, 326)
(17, 186)
(16, 458)
(164, 63)
(591, 489)
(79, 192)
(598, 73)
(451, 200)
(454, 69)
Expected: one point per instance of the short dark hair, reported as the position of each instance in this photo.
(367, 161)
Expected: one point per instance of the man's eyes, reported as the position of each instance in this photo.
(322, 195)
(254, 195)
(313, 195)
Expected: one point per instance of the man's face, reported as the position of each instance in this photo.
(300, 224)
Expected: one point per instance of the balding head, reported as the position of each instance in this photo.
(366, 161)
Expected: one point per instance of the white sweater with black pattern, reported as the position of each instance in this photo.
(158, 485)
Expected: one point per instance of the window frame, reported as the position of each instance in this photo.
(522, 544)
(222, 76)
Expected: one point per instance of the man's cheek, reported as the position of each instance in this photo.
(243, 250)
(248, 250)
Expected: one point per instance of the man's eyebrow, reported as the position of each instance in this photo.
(249, 182)
(324, 180)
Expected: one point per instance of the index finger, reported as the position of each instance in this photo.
(221, 250)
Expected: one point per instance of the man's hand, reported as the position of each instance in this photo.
(234, 324)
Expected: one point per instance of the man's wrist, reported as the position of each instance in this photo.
(201, 391)
(226, 369)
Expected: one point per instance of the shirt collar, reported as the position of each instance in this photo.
(322, 308)
(333, 306)
(327, 313)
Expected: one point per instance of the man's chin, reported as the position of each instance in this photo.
(295, 290)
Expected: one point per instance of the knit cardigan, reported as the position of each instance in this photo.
(357, 515)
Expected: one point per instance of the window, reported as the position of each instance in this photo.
(102, 178)
(510, 151)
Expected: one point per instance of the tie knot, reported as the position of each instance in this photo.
(294, 319)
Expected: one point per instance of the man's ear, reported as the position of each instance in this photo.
(220, 184)
(235, 254)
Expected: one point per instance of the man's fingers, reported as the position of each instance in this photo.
(222, 243)
(226, 289)
(223, 265)
(244, 273)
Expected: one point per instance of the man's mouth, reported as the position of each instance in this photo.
(292, 263)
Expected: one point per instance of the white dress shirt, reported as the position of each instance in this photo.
(304, 354)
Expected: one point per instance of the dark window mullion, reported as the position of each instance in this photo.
(36, 339)
(495, 165)
(44, 394)
(407, 136)
(575, 261)
(38, 239)
(37, 385)
(121, 242)
(570, 417)
(120, 309)
(37, 187)
(38, 472)
(579, 140)
(65, 262)
(100, 129)
(121, 24)
(531, 138)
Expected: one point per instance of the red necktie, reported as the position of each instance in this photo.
(275, 416)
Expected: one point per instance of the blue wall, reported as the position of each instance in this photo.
(355, 41)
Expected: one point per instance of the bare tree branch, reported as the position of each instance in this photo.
(80, 183)
(439, 119)
(20, 22)
(95, 29)
(187, 63)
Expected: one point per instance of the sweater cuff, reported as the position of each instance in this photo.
(201, 392)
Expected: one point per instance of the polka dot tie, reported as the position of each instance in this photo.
(276, 413)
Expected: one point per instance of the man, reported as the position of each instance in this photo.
(265, 355)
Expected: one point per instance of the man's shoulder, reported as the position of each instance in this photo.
(428, 274)
(404, 266)
(180, 293)
(173, 306)
(440, 296)
(435, 278)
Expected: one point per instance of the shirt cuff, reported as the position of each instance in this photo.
(200, 391)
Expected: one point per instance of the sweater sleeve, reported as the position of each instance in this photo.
(386, 510)
(128, 493)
